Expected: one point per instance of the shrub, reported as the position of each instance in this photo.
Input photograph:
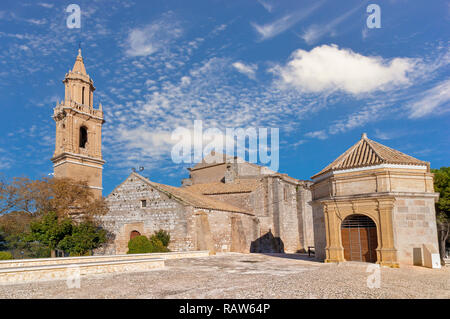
(139, 245)
(4, 255)
(157, 246)
(163, 236)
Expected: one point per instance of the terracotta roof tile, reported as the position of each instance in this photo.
(192, 198)
(239, 186)
(367, 153)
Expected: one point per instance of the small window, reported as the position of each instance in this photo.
(83, 137)
(82, 96)
(143, 203)
(285, 193)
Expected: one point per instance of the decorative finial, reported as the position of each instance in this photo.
(100, 107)
(364, 135)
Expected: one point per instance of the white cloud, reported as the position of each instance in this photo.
(247, 69)
(36, 21)
(45, 5)
(367, 114)
(321, 135)
(266, 5)
(315, 32)
(327, 68)
(139, 128)
(280, 25)
(431, 100)
(153, 37)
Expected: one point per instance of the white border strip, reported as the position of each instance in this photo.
(359, 169)
(73, 162)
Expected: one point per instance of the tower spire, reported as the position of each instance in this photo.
(79, 67)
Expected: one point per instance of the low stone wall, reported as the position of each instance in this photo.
(72, 272)
(105, 258)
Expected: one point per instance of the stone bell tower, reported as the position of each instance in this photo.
(78, 147)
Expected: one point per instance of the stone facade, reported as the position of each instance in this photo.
(280, 203)
(205, 225)
(238, 207)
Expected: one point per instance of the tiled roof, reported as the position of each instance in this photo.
(368, 153)
(192, 198)
(238, 186)
(213, 159)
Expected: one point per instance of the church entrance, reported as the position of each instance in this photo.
(134, 233)
(359, 238)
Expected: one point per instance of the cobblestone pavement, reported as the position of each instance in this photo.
(248, 276)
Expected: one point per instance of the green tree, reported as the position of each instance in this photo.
(49, 231)
(4, 255)
(442, 186)
(163, 236)
(77, 239)
(85, 236)
(35, 216)
(2, 240)
(156, 245)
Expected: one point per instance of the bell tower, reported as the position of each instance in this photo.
(78, 145)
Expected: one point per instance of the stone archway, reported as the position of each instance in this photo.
(134, 234)
(359, 238)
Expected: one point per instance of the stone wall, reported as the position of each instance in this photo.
(320, 240)
(375, 181)
(161, 212)
(305, 217)
(230, 231)
(414, 226)
(210, 174)
(189, 228)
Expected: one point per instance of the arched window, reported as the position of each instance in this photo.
(82, 96)
(83, 136)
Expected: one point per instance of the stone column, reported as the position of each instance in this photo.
(334, 250)
(386, 252)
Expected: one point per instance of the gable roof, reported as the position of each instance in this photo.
(213, 159)
(193, 199)
(368, 153)
(238, 186)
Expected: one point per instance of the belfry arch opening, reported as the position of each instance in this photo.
(359, 238)
(82, 96)
(83, 136)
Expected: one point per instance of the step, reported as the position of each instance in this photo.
(73, 271)
(101, 258)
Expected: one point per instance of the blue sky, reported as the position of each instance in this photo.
(310, 68)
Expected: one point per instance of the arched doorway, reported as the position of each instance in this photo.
(134, 233)
(359, 238)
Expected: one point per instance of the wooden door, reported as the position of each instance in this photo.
(359, 238)
(134, 233)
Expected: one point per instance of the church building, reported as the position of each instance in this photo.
(372, 204)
